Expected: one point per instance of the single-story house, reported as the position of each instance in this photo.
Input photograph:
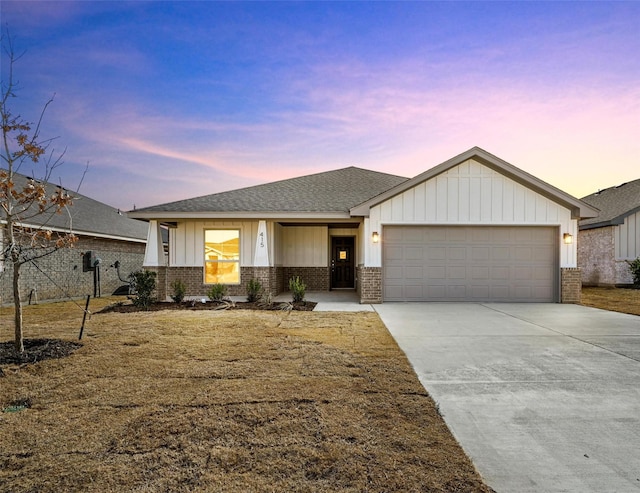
(609, 240)
(104, 231)
(474, 228)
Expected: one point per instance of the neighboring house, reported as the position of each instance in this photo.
(101, 229)
(474, 228)
(609, 240)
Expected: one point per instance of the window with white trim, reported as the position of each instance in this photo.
(222, 256)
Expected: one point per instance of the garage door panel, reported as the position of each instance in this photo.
(414, 272)
(481, 253)
(414, 292)
(393, 253)
(413, 253)
(480, 292)
(523, 254)
(456, 253)
(480, 273)
(456, 292)
(436, 272)
(474, 263)
(500, 254)
(500, 273)
(457, 272)
(436, 253)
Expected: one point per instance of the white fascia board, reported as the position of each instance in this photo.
(171, 216)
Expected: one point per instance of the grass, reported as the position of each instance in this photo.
(613, 299)
(222, 401)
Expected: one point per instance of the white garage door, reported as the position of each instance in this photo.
(470, 263)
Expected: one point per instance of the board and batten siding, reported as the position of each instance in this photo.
(627, 238)
(186, 241)
(303, 246)
(470, 194)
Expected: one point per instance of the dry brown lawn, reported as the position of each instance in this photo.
(235, 401)
(614, 299)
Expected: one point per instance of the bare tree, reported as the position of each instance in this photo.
(27, 204)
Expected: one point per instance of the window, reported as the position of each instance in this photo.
(222, 256)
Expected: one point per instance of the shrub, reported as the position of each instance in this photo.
(144, 284)
(634, 266)
(254, 290)
(217, 292)
(179, 290)
(297, 288)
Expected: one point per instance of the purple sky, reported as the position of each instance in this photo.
(170, 100)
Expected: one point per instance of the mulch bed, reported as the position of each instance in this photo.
(36, 350)
(305, 306)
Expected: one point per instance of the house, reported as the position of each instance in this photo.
(104, 231)
(609, 240)
(474, 228)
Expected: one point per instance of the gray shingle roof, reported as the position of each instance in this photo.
(88, 216)
(331, 191)
(615, 203)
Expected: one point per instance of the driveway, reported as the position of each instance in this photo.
(542, 397)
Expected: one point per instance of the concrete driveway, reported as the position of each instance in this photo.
(542, 397)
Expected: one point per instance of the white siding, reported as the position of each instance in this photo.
(627, 238)
(470, 194)
(304, 246)
(186, 245)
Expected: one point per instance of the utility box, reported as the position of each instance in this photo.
(88, 261)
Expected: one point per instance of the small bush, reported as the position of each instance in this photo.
(179, 290)
(634, 266)
(144, 284)
(297, 288)
(254, 290)
(217, 292)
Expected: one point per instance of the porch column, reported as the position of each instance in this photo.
(154, 253)
(261, 257)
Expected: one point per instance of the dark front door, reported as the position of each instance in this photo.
(342, 262)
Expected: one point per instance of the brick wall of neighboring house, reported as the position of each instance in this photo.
(570, 285)
(369, 284)
(60, 275)
(596, 259)
(624, 277)
(596, 256)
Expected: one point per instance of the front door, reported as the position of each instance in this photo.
(342, 262)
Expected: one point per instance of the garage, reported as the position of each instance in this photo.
(470, 263)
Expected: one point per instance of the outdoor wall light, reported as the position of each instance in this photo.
(375, 237)
(567, 238)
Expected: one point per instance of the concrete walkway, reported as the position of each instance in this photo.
(543, 397)
(332, 301)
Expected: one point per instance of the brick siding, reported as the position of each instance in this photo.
(369, 284)
(59, 275)
(273, 279)
(596, 258)
(316, 278)
(570, 285)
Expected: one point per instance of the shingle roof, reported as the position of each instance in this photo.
(88, 216)
(615, 203)
(331, 191)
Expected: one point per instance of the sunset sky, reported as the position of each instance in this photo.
(171, 100)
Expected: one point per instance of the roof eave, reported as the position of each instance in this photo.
(80, 232)
(166, 215)
(616, 221)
